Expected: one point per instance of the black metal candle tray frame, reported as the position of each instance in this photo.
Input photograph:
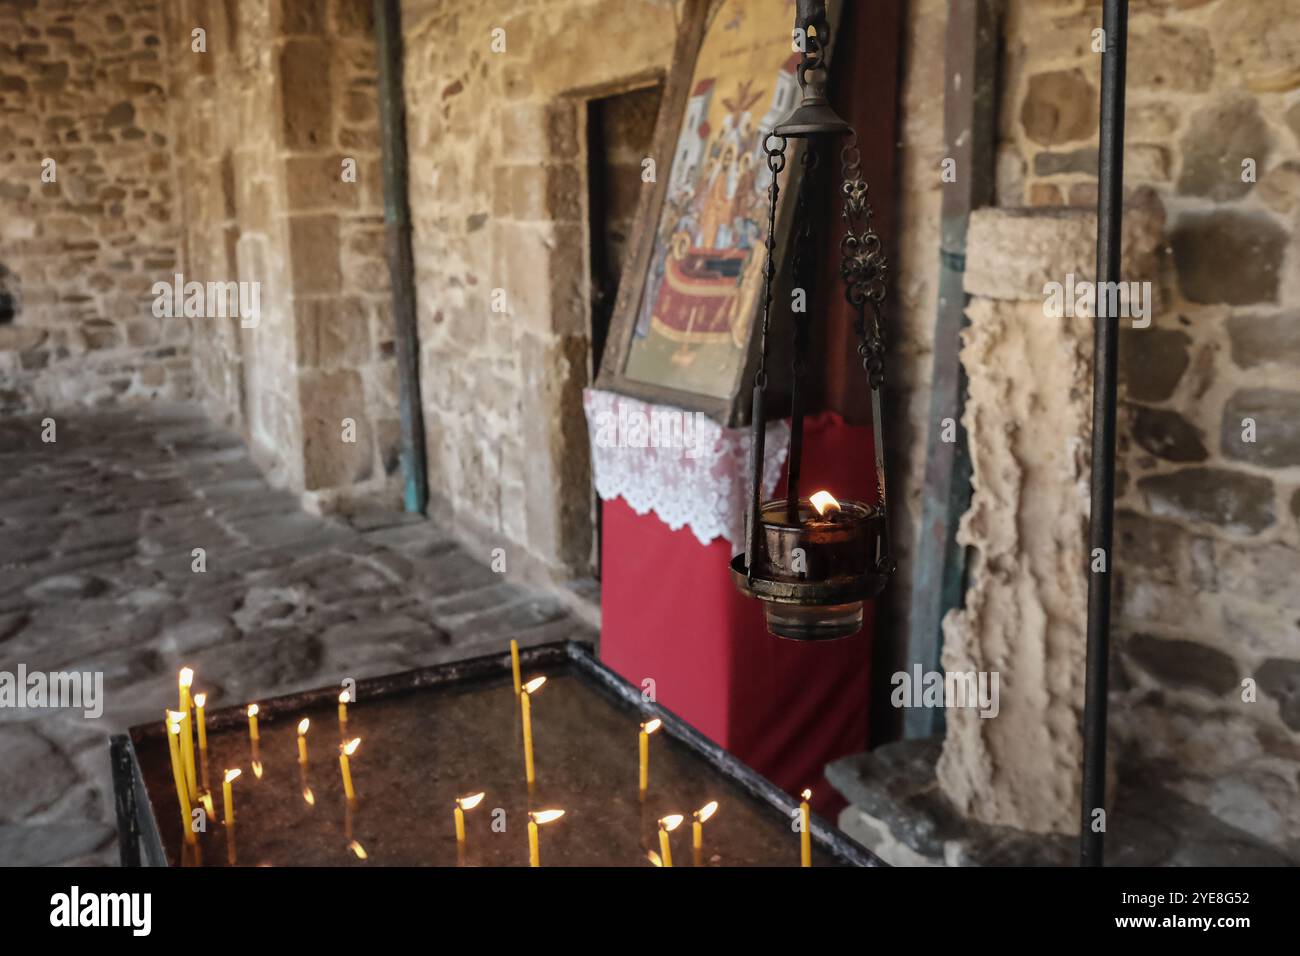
(141, 842)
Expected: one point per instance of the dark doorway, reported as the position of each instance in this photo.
(620, 138)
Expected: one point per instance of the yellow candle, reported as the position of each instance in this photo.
(178, 772)
(228, 796)
(187, 731)
(199, 701)
(526, 710)
(187, 754)
(344, 699)
(647, 729)
(805, 835)
(514, 664)
(463, 804)
(252, 722)
(666, 826)
(185, 680)
(697, 827)
(345, 751)
(534, 821)
(302, 739)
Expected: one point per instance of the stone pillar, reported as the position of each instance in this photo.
(1028, 415)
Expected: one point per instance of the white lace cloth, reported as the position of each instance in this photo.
(681, 465)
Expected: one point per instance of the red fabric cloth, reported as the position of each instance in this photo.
(671, 613)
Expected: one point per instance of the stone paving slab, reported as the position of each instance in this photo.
(97, 531)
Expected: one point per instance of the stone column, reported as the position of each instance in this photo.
(1028, 415)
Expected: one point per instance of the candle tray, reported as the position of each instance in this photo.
(434, 734)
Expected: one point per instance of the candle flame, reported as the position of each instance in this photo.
(824, 500)
(671, 822)
(545, 816)
(470, 802)
(200, 700)
(309, 796)
(231, 775)
(257, 769)
(807, 794)
(650, 726)
(303, 725)
(173, 727)
(653, 857)
(351, 746)
(534, 685)
(706, 811)
(175, 717)
(187, 676)
(358, 849)
(345, 698)
(252, 710)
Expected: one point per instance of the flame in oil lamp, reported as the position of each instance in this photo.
(824, 501)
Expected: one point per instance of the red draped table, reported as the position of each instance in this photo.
(672, 616)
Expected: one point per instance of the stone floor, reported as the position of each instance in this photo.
(898, 812)
(97, 532)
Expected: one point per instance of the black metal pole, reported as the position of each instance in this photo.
(401, 270)
(1110, 214)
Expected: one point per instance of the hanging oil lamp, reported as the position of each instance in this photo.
(814, 560)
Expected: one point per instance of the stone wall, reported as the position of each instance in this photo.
(499, 199)
(1207, 670)
(87, 210)
(273, 118)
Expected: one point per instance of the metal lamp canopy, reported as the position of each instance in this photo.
(814, 568)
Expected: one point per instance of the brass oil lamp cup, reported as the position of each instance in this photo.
(814, 573)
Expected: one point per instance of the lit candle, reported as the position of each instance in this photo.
(666, 826)
(302, 740)
(463, 804)
(647, 728)
(805, 835)
(514, 664)
(697, 827)
(252, 722)
(344, 699)
(345, 751)
(526, 708)
(187, 755)
(534, 821)
(199, 701)
(187, 731)
(178, 772)
(228, 796)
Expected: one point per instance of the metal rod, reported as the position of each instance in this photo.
(401, 268)
(1110, 211)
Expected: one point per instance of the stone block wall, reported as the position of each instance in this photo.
(1207, 671)
(498, 201)
(279, 142)
(87, 206)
